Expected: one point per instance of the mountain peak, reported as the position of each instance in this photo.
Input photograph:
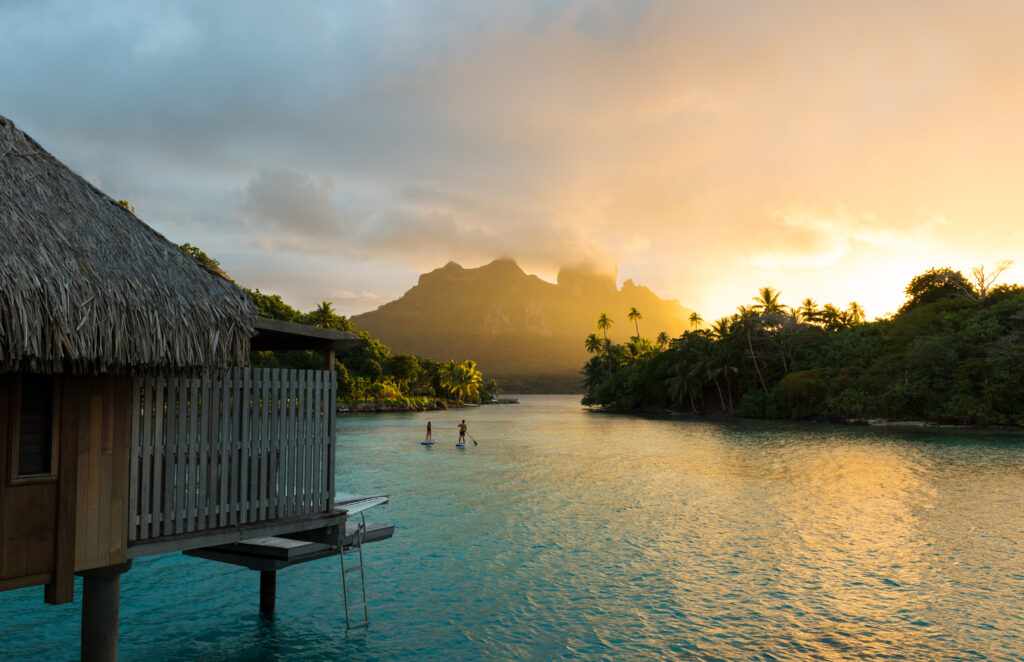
(586, 281)
(521, 329)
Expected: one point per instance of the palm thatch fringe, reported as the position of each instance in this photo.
(85, 286)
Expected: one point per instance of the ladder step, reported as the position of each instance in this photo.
(357, 605)
(358, 625)
(354, 587)
(354, 568)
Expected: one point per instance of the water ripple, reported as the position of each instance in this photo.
(567, 535)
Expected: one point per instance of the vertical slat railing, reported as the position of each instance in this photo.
(251, 445)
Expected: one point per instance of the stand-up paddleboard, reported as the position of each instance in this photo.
(428, 443)
(460, 445)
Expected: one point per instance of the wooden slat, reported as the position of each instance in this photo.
(274, 472)
(242, 450)
(135, 458)
(223, 450)
(181, 445)
(94, 486)
(207, 413)
(192, 491)
(282, 430)
(317, 439)
(289, 438)
(103, 408)
(254, 443)
(170, 446)
(331, 437)
(119, 396)
(264, 490)
(296, 443)
(159, 451)
(329, 440)
(146, 462)
(327, 492)
(235, 474)
(300, 450)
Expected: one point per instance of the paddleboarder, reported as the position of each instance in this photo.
(462, 433)
(429, 433)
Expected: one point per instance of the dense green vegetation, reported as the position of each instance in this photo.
(954, 353)
(371, 371)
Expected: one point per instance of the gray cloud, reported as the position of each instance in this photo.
(391, 137)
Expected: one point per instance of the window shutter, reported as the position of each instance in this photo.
(35, 438)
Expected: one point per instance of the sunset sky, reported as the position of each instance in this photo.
(330, 150)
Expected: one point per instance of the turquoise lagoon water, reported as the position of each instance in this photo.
(575, 535)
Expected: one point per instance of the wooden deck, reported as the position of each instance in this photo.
(278, 552)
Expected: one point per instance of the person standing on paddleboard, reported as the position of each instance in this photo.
(429, 433)
(462, 432)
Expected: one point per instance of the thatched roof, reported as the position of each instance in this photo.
(87, 286)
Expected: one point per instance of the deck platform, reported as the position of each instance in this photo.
(277, 552)
(281, 549)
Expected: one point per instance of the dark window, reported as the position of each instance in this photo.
(35, 433)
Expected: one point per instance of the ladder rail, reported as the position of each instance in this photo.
(356, 548)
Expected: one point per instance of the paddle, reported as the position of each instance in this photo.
(471, 437)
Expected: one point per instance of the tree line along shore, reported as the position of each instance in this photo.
(952, 354)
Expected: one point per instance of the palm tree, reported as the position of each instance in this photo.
(749, 321)
(469, 378)
(767, 302)
(695, 319)
(809, 312)
(604, 323)
(662, 340)
(683, 383)
(832, 318)
(592, 343)
(323, 316)
(856, 313)
(633, 316)
(720, 329)
(638, 349)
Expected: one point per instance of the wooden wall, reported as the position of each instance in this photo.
(96, 414)
(28, 513)
(78, 520)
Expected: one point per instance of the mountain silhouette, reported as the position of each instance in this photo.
(524, 331)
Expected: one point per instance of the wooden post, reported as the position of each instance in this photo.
(268, 591)
(101, 601)
(329, 360)
(62, 589)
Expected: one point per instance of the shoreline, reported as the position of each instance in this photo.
(850, 422)
(390, 406)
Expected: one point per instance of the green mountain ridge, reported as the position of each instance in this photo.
(524, 331)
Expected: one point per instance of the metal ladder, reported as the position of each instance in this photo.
(355, 551)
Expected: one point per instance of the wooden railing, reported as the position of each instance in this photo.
(253, 445)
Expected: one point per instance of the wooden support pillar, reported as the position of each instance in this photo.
(329, 360)
(101, 606)
(268, 591)
(62, 589)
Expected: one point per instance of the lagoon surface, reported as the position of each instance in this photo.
(574, 535)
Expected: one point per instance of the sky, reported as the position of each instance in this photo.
(335, 150)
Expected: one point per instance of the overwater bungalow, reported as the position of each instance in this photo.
(130, 422)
